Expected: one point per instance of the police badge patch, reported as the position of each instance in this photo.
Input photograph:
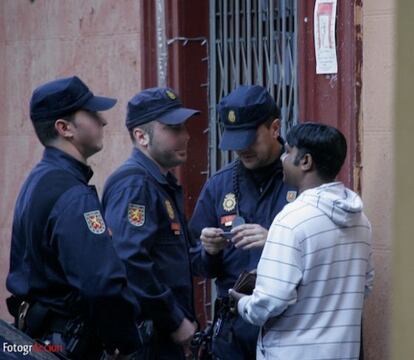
(95, 222)
(136, 214)
(291, 196)
(229, 202)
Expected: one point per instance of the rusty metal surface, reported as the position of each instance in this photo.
(334, 99)
(148, 37)
(187, 73)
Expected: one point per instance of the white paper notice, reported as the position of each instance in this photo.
(324, 33)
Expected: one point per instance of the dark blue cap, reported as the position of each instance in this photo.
(161, 104)
(62, 97)
(242, 112)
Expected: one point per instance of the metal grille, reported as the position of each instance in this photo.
(251, 42)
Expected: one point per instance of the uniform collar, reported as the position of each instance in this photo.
(63, 160)
(149, 165)
(262, 175)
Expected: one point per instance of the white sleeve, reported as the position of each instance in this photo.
(369, 276)
(278, 274)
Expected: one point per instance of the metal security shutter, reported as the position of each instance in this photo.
(251, 42)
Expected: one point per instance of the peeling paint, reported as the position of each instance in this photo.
(333, 80)
(358, 97)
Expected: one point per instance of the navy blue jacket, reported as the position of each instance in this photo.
(144, 210)
(262, 194)
(62, 254)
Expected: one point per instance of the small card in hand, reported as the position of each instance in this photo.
(246, 282)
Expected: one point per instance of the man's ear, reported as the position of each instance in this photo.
(275, 128)
(141, 137)
(306, 163)
(64, 128)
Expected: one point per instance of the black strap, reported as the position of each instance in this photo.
(236, 184)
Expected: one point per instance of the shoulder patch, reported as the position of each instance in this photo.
(136, 214)
(291, 196)
(95, 222)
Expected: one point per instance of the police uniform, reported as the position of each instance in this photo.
(144, 209)
(256, 195)
(62, 259)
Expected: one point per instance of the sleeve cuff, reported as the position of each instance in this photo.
(176, 318)
(241, 307)
(211, 260)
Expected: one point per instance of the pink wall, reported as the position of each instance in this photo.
(378, 158)
(40, 40)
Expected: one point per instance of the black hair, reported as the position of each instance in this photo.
(46, 131)
(326, 145)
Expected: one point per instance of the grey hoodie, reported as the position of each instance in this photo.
(313, 275)
(340, 204)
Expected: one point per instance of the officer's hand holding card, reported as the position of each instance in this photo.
(213, 240)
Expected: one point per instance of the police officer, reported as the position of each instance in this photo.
(69, 287)
(237, 206)
(144, 208)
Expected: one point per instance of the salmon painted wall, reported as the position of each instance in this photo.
(40, 40)
(379, 23)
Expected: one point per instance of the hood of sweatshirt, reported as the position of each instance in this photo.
(340, 204)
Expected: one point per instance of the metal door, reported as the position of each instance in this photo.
(251, 42)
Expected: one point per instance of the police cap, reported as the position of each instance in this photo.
(161, 104)
(62, 97)
(242, 112)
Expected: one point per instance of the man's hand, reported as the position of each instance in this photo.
(184, 333)
(212, 240)
(249, 236)
(236, 296)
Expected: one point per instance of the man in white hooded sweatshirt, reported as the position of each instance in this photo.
(315, 269)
